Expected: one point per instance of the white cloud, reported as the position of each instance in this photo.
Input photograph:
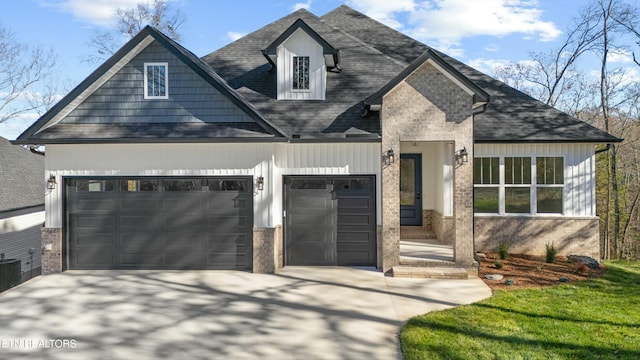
(99, 12)
(12, 128)
(384, 11)
(235, 35)
(620, 56)
(446, 22)
(305, 5)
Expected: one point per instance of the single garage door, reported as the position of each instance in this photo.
(159, 223)
(330, 220)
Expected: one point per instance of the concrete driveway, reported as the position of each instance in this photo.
(299, 313)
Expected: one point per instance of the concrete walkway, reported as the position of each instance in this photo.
(299, 313)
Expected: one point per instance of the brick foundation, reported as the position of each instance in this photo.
(530, 235)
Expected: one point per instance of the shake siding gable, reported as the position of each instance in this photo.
(121, 98)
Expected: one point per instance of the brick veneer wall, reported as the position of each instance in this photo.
(530, 235)
(427, 106)
(51, 259)
(263, 250)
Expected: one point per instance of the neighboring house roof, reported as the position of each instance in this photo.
(373, 59)
(21, 177)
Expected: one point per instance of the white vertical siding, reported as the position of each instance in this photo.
(301, 44)
(579, 170)
(271, 161)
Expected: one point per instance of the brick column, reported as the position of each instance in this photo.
(51, 259)
(263, 251)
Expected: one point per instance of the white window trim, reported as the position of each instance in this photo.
(532, 188)
(166, 81)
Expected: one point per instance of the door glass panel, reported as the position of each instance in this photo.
(301, 184)
(182, 185)
(92, 185)
(407, 182)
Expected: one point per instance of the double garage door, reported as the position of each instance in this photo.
(159, 223)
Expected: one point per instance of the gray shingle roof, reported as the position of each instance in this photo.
(372, 54)
(21, 177)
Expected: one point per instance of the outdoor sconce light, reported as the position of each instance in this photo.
(260, 183)
(51, 182)
(462, 156)
(389, 158)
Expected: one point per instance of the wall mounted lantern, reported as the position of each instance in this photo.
(260, 183)
(51, 182)
(388, 157)
(462, 156)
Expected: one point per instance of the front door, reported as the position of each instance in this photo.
(411, 189)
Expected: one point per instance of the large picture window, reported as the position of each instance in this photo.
(156, 84)
(300, 73)
(518, 185)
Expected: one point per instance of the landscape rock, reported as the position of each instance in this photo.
(580, 259)
(493, 277)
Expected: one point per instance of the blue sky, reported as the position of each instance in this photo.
(481, 33)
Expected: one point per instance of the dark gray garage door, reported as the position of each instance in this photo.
(159, 223)
(330, 220)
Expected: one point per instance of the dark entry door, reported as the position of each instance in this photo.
(159, 223)
(330, 220)
(410, 189)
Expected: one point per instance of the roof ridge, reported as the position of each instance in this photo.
(357, 39)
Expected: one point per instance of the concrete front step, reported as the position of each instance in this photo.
(432, 272)
(418, 262)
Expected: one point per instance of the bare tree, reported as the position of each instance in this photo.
(129, 22)
(22, 68)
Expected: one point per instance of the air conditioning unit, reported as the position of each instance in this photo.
(10, 273)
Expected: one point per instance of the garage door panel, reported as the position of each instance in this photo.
(140, 242)
(228, 223)
(83, 238)
(148, 222)
(160, 223)
(93, 221)
(354, 219)
(98, 257)
(185, 260)
(93, 204)
(358, 237)
(138, 259)
(138, 203)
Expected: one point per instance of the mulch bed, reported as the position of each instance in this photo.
(533, 272)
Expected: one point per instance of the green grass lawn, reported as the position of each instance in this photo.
(594, 319)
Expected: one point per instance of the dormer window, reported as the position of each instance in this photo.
(301, 59)
(300, 73)
(156, 82)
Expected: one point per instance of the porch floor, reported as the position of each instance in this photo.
(425, 250)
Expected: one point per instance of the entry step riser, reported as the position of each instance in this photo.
(429, 272)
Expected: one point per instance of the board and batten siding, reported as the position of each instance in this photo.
(301, 44)
(270, 160)
(579, 170)
(20, 230)
(121, 98)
